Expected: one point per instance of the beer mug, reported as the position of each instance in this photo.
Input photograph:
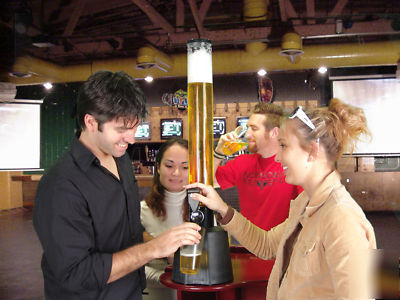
(231, 147)
(190, 256)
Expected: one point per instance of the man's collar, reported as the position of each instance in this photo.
(82, 155)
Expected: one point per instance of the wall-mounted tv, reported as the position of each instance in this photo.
(171, 128)
(242, 121)
(219, 126)
(143, 131)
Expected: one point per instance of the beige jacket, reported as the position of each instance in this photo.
(332, 256)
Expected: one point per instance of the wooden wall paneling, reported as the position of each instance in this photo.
(374, 191)
(228, 110)
(391, 191)
(312, 104)
(347, 164)
(165, 112)
(10, 190)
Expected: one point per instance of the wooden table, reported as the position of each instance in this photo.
(250, 278)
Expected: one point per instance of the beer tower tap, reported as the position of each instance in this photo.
(199, 214)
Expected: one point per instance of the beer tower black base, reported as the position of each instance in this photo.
(215, 265)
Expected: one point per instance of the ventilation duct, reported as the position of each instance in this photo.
(292, 46)
(20, 70)
(149, 57)
(224, 62)
(255, 10)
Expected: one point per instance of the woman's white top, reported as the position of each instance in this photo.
(173, 206)
(156, 225)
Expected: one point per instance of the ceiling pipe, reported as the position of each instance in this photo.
(224, 62)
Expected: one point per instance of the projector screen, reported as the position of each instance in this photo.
(20, 135)
(380, 100)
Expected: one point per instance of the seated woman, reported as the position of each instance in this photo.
(165, 206)
(323, 249)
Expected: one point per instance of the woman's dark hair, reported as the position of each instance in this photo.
(155, 200)
(108, 96)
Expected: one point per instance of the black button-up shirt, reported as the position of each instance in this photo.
(82, 215)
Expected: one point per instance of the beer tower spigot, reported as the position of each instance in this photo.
(215, 266)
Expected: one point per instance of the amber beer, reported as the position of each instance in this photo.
(190, 262)
(228, 148)
(201, 136)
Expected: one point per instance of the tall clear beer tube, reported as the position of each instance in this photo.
(201, 138)
(200, 111)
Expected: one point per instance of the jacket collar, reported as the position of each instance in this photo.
(321, 195)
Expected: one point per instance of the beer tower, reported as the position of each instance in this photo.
(215, 266)
(200, 121)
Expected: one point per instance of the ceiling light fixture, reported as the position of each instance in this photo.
(47, 85)
(292, 46)
(322, 70)
(149, 78)
(261, 72)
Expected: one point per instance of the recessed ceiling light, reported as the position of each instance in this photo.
(149, 78)
(322, 70)
(261, 72)
(47, 85)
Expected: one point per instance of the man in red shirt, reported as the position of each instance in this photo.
(264, 196)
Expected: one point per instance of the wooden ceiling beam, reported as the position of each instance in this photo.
(291, 12)
(287, 10)
(337, 10)
(204, 7)
(310, 4)
(157, 19)
(195, 13)
(180, 15)
(282, 9)
(73, 21)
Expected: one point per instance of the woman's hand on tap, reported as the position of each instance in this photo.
(209, 197)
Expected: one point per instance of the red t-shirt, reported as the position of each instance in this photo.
(264, 196)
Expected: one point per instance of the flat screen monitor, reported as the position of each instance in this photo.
(219, 127)
(242, 121)
(171, 128)
(143, 131)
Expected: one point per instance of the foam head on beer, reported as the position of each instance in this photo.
(200, 65)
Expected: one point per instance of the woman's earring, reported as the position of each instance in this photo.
(312, 157)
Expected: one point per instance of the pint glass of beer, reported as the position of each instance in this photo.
(231, 147)
(190, 256)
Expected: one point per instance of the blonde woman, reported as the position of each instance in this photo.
(323, 249)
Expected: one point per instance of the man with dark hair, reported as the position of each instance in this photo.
(264, 196)
(87, 211)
